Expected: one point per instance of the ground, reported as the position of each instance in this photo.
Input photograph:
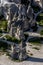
(35, 59)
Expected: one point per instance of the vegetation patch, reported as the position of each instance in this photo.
(40, 19)
(3, 23)
(35, 41)
(0, 34)
(41, 32)
(12, 39)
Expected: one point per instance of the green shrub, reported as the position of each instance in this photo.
(40, 19)
(12, 39)
(41, 32)
(0, 34)
(3, 23)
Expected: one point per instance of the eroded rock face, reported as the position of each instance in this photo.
(18, 11)
(18, 51)
(19, 15)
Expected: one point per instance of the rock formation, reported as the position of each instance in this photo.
(20, 17)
